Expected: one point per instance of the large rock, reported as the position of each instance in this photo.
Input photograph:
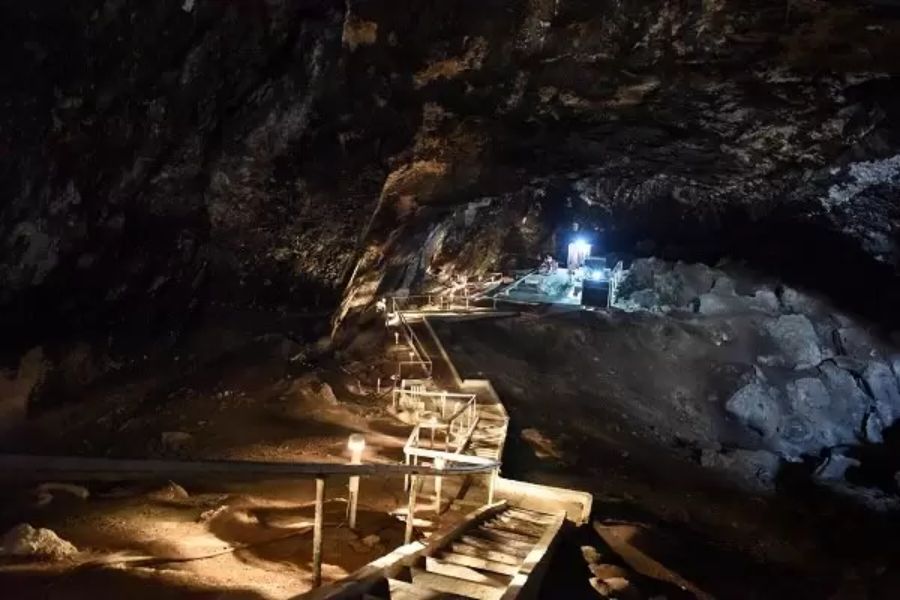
(24, 541)
(835, 466)
(756, 406)
(849, 403)
(856, 343)
(882, 384)
(796, 340)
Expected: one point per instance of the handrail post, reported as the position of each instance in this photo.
(438, 481)
(491, 482)
(410, 510)
(317, 531)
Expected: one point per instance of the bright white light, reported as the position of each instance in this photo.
(356, 443)
(596, 275)
(582, 247)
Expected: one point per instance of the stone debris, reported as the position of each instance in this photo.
(607, 571)
(755, 405)
(591, 555)
(24, 541)
(175, 441)
(882, 385)
(212, 513)
(835, 466)
(171, 491)
(797, 341)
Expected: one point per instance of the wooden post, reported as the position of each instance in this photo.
(356, 443)
(406, 477)
(317, 532)
(438, 481)
(411, 509)
(491, 477)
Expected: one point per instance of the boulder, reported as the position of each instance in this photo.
(796, 339)
(719, 304)
(591, 555)
(647, 299)
(808, 395)
(724, 285)
(175, 441)
(24, 541)
(856, 343)
(882, 385)
(766, 301)
(835, 466)
(607, 571)
(621, 589)
(756, 406)
(849, 404)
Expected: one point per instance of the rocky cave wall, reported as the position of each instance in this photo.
(155, 160)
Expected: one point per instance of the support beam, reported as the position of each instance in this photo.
(411, 509)
(317, 532)
(438, 484)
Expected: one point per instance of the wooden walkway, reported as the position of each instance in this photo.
(494, 553)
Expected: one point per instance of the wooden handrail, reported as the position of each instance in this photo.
(27, 468)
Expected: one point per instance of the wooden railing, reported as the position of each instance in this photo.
(19, 469)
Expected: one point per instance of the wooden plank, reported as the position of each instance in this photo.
(463, 548)
(537, 516)
(452, 585)
(505, 536)
(493, 545)
(434, 565)
(492, 536)
(475, 562)
(511, 528)
(402, 590)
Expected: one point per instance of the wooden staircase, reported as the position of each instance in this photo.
(481, 561)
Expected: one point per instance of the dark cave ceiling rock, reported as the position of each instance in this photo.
(155, 156)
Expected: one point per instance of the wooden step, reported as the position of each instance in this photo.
(481, 564)
(463, 548)
(526, 527)
(512, 528)
(402, 590)
(500, 534)
(498, 538)
(435, 565)
(530, 515)
(452, 585)
(494, 545)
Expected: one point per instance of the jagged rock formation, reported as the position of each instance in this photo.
(815, 384)
(157, 159)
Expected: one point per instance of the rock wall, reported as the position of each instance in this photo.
(156, 159)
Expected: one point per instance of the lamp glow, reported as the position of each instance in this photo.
(356, 443)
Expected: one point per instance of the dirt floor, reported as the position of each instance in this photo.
(599, 401)
(265, 400)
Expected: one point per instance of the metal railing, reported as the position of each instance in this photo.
(418, 355)
(411, 395)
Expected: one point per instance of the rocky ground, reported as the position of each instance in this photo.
(730, 411)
